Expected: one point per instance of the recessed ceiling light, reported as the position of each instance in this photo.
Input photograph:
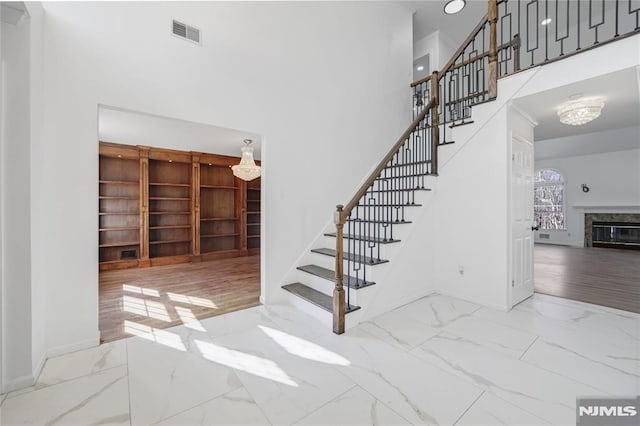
(546, 21)
(119, 155)
(171, 161)
(454, 6)
(419, 68)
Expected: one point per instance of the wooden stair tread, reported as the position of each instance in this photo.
(363, 238)
(330, 275)
(315, 297)
(350, 256)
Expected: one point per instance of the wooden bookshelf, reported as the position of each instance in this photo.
(169, 205)
(118, 205)
(160, 206)
(253, 213)
(219, 209)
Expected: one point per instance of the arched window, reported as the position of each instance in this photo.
(548, 201)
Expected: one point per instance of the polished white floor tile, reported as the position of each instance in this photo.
(435, 361)
(622, 353)
(500, 338)
(288, 376)
(101, 398)
(549, 395)
(418, 391)
(237, 322)
(489, 410)
(165, 380)
(354, 407)
(293, 321)
(601, 376)
(82, 363)
(233, 408)
(614, 322)
(412, 324)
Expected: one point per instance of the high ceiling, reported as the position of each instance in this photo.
(619, 90)
(429, 17)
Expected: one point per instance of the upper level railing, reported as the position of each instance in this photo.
(516, 35)
(513, 36)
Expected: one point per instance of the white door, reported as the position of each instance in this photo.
(521, 219)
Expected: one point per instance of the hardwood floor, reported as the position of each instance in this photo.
(601, 276)
(165, 296)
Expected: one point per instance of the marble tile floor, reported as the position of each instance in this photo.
(438, 360)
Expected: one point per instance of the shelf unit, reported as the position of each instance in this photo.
(119, 227)
(254, 210)
(170, 206)
(161, 206)
(219, 209)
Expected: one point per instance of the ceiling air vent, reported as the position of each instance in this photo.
(186, 32)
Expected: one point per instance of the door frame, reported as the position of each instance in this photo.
(520, 125)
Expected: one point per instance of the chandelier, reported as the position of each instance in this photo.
(580, 112)
(247, 169)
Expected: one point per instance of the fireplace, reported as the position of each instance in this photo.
(614, 230)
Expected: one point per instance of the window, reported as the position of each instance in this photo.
(548, 200)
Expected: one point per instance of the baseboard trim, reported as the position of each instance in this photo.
(73, 347)
(18, 383)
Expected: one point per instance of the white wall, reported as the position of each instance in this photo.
(614, 182)
(16, 271)
(37, 142)
(437, 46)
(325, 83)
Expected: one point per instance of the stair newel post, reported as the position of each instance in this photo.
(435, 121)
(492, 17)
(338, 291)
(515, 45)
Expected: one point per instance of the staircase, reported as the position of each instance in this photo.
(346, 260)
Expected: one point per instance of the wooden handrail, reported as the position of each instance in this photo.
(376, 172)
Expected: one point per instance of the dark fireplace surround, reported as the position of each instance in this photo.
(613, 230)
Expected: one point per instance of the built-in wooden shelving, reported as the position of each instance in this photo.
(160, 206)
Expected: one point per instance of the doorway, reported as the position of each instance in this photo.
(179, 233)
(586, 174)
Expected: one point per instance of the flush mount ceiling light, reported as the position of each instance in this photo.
(577, 113)
(454, 6)
(420, 68)
(247, 169)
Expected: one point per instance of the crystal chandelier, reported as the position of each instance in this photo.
(580, 112)
(247, 169)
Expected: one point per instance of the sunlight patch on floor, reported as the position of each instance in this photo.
(140, 290)
(192, 300)
(251, 364)
(152, 334)
(189, 319)
(147, 308)
(303, 348)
